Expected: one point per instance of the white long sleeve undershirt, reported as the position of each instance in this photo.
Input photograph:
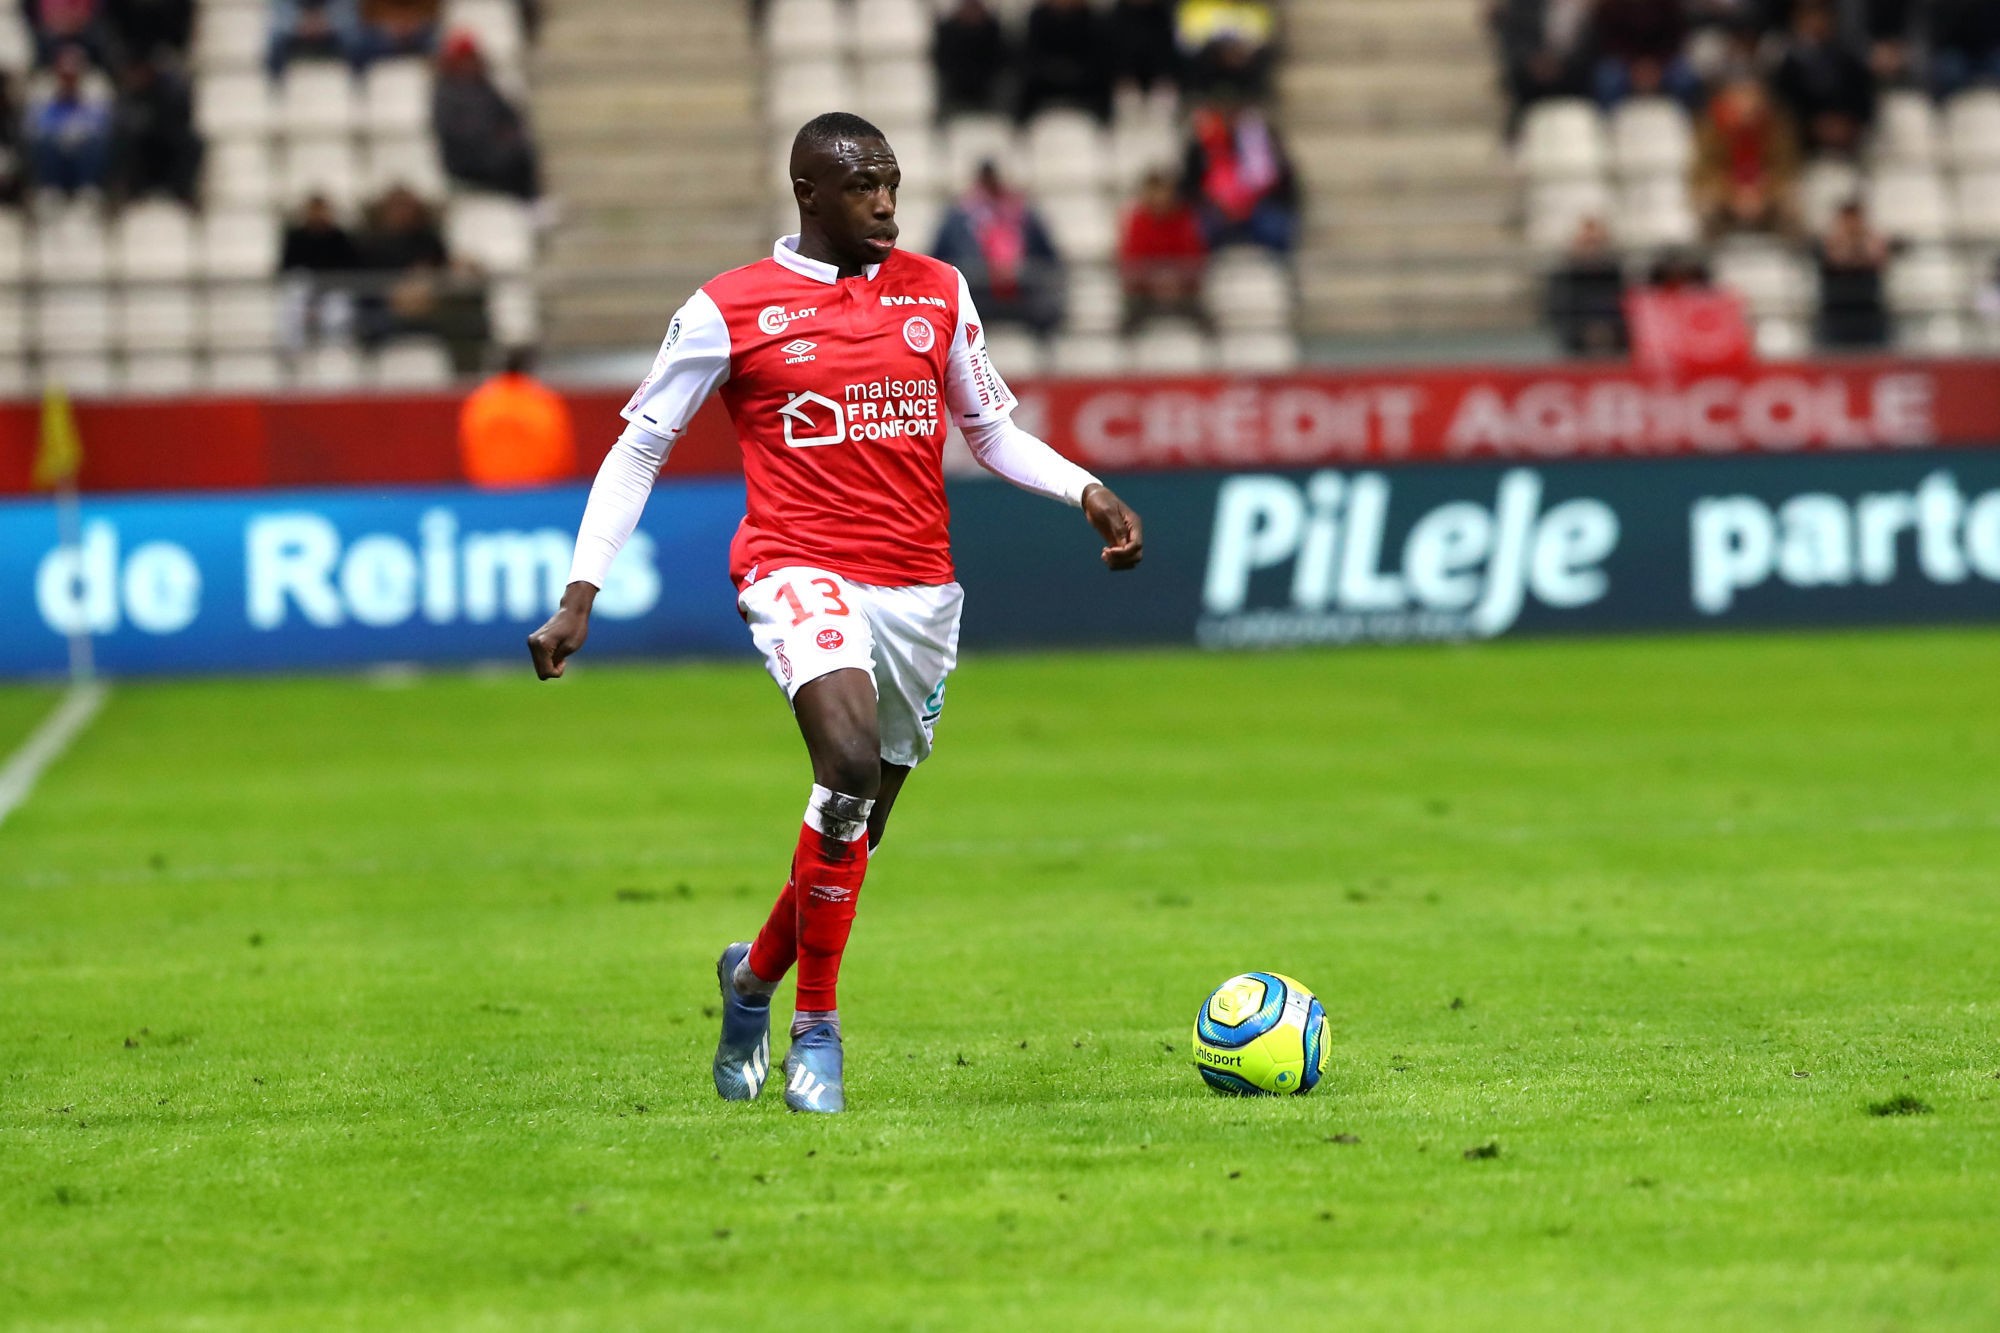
(1010, 453)
(617, 498)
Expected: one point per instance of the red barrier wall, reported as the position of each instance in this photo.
(1300, 420)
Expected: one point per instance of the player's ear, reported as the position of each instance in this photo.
(802, 191)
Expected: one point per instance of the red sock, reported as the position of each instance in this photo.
(776, 947)
(828, 876)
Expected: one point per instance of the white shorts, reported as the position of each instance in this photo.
(808, 622)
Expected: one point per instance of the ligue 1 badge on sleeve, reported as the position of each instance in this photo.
(918, 333)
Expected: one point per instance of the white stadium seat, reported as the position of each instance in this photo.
(1067, 151)
(893, 27)
(1139, 147)
(1933, 335)
(1656, 210)
(1972, 129)
(1905, 132)
(1562, 139)
(73, 320)
(896, 94)
(1650, 136)
(495, 25)
(316, 98)
(244, 372)
(1172, 347)
(70, 246)
(412, 363)
(1082, 225)
(494, 231)
(971, 140)
(1246, 290)
(1928, 280)
(808, 28)
(396, 97)
(320, 166)
(161, 374)
(239, 243)
(153, 241)
(1083, 355)
(239, 174)
(1908, 203)
(513, 312)
(234, 104)
(917, 221)
(329, 367)
(1269, 352)
(405, 160)
(17, 49)
(13, 247)
(230, 37)
(13, 323)
(1825, 187)
(1772, 280)
(240, 316)
(1015, 352)
(795, 93)
(82, 374)
(1096, 301)
(15, 382)
(1783, 338)
(1556, 208)
(1976, 211)
(156, 317)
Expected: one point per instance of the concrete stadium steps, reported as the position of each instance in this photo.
(1412, 205)
(648, 118)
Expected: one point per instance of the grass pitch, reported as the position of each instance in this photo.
(328, 1004)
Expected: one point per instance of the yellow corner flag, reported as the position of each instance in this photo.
(61, 455)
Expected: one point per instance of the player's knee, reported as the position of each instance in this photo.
(853, 768)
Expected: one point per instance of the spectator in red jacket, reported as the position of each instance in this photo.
(1161, 254)
(1239, 177)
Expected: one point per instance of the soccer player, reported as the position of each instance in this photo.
(838, 358)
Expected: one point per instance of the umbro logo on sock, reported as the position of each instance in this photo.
(831, 893)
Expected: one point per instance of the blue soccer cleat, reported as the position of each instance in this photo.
(812, 1071)
(743, 1056)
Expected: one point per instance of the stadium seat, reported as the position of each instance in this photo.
(1248, 291)
(316, 99)
(1555, 208)
(15, 381)
(1905, 131)
(495, 25)
(813, 29)
(13, 247)
(1082, 225)
(412, 363)
(1082, 355)
(234, 104)
(1562, 139)
(239, 243)
(82, 374)
(795, 93)
(895, 94)
(329, 367)
(73, 320)
(1016, 353)
(917, 221)
(513, 312)
(153, 241)
(1066, 152)
(920, 153)
(1096, 302)
(1826, 186)
(494, 231)
(1927, 280)
(240, 316)
(160, 374)
(155, 317)
(396, 97)
(1654, 211)
(1270, 352)
(1972, 129)
(69, 246)
(238, 174)
(410, 160)
(244, 372)
(17, 49)
(1908, 203)
(1141, 146)
(971, 140)
(1172, 347)
(230, 37)
(319, 166)
(1772, 280)
(892, 27)
(1650, 136)
(1976, 210)
(13, 323)
(1933, 335)
(1782, 338)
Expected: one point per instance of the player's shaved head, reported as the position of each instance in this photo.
(844, 177)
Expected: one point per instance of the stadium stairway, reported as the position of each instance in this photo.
(648, 120)
(1395, 126)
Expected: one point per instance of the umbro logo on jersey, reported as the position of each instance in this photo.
(775, 318)
(937, 301)
(797, 350)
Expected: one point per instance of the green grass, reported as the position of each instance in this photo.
(330, 1005)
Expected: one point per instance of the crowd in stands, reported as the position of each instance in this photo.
(108, 113)
(1790, 106)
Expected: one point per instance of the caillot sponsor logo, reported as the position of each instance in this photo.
(776, 319)
(1320, 555)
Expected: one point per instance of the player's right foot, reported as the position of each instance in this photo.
(743, 1056)
(812, 1071)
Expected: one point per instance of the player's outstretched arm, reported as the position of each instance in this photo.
(1116, 523)
(564, 632)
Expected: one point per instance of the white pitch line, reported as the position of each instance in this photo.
(25, 766)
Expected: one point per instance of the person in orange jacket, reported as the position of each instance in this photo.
(515, 431)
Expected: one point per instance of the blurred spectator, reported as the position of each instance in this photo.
(1641, 50)
(1065, 60)
(55, 24)
(970, 53)
(1586, 296)
(1746, 164)
(397, 28)
(312, 30)
(1826, 86)
(1543, 50)
(1888, 33)
(320, 258)
(412, 288)
(1144, 53)
(1852, 256)
(998, 241)
(155, 149)
(1965, 44)
(1161, 255)
(483, 137)
(516, 431)
(69, 136)
(13, 167)
(142, 29)
(1227, 46)
(1679, 271)
(1239, 177)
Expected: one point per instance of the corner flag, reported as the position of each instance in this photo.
(61, 455)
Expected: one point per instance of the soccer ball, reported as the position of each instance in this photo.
(1260, 1032)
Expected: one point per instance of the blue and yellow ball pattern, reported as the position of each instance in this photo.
(1261, 1032)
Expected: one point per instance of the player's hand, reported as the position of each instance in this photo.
(564, 632)
(1114, 522)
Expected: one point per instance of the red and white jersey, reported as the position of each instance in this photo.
(838, 389)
